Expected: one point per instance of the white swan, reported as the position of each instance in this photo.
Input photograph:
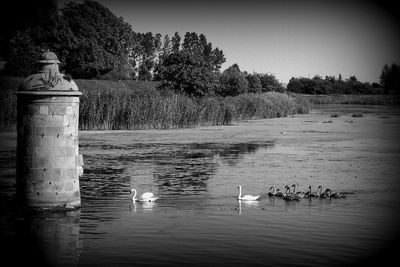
(145, 197)
(246, 197)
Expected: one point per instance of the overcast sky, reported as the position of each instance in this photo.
(285, 38)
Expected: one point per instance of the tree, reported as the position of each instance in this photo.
(390, 79)
(184, 73)
(148, 55)
(201, 48)
(34, 28)
(330, 85)
(270, 83)
(190, 68)
(104, 41)
(254, 83)
(165, 51)
(176, 42)
(301, 85)
(233, 82)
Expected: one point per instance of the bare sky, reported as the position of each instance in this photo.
(285, 38)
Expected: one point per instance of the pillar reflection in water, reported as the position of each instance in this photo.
(51, 239)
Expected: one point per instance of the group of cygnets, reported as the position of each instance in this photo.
(293, 194)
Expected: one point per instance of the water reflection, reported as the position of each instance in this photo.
(246, 204)
(187, 170)
(50, 239)
(142, 206)
(133, 207)
(176, 169)
(148, 206)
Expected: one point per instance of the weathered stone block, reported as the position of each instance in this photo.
(71, 140)
(58, 186)
(53, 175)
(66, 120)
(28, 130)
(32, 109)
(70, 129)
(39, 141)
(39, 130)
(57, 110)
(70, 173)
(69, 186)
(65, 151)
(43, 120)
(34, 175)
(57, 162)
(62, 162)
(41, 187)
(40, 162)
(55, 131)
(44, 110)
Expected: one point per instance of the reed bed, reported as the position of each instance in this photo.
(115, 110)
(107, 105)
(8, 102)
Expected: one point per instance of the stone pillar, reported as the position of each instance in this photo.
(48, 160)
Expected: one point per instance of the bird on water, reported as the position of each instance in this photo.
(246, 197)
(145, 197)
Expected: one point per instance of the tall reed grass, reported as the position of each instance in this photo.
(107, 105)
(8, 101)
(115, 110)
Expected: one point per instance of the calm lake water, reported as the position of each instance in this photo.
(198, 220)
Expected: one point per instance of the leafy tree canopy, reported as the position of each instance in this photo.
(390, 79)
(233, 82)
(330, 85)
(32, 27)
(103, 40)
(192, 67)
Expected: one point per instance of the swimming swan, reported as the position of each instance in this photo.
(145, 197)
(278, 193)
(273, 192)
(329, 193)
(289, 195)
(311, 194)
(246, 197)
(322, 195)
(298, 193)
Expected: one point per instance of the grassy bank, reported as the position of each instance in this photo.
(112, 105)
(351, 99)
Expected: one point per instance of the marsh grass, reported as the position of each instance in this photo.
(132, 105)
(115, 110)
(8, 101)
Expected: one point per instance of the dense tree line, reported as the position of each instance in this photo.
(93, 43)
(390, 79)
(332, 85)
